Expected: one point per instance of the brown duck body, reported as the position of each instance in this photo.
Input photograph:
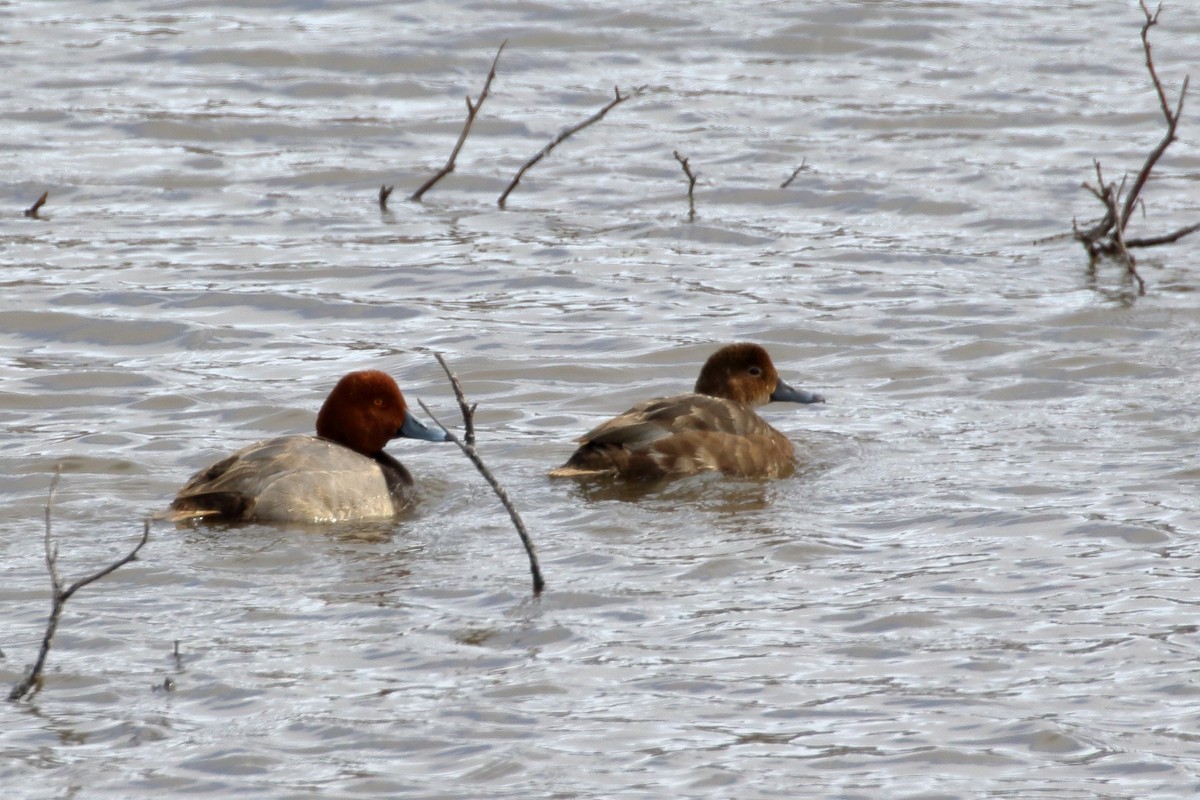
(715, 428)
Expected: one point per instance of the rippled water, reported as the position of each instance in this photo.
(981, 583)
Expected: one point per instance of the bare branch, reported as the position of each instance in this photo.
(468, 412)
(113, 567)
(1172, 120)
(1151, 21)
(472, 112)
(687, 170)
(384, 193)
(1114, 246)
(792, 177)
(1107, 236)
(1091, 235)
(32, 211)
(1168, 238)
(468, 448)
(1071, 234)
(545, 151)
(60, 595)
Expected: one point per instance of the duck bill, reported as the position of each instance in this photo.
(786, 394)
(413, 428)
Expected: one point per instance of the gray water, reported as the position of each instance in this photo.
(980, 583)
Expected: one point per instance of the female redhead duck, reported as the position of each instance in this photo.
(342, 473)
(713, 429)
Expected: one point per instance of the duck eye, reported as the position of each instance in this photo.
(378, 402)
(755, 372)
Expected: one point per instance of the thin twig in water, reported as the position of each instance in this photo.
(467, 445)
(1167, 238)
(472, 111)
(61, 595)
(1056, 236)
(691, 176)
(1116, 246)
(792, 177)
(545, 151)
(384, 193)
(32, 211)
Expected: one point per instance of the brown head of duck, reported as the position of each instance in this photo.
(745, 374)
(715, 428)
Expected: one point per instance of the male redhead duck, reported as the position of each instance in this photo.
(713, 429)
(340, 474)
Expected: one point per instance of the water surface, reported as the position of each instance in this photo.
(980, 583)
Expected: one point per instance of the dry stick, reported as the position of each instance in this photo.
(472, 111)
(61, 595)
(467, 445)
(792, 177)
(1172, 119)
(1107, 236)
(32, 211)
(384, 193)
(687, 170)
(1092, 235)
(1108, 194)
(1167, 238)
(545, 151)
(1123, 247)
(1071, 234)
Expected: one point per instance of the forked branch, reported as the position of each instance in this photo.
(467, 445)
(618, 98)
(1106, 237)
(1115, 245)
(691, 176)
(472, 112)
(62, 595)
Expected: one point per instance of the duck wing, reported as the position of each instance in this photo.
(656, 419)
(290, 478)
(682, 435)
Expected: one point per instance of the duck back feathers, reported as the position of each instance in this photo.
(296, 478)
(342, 473)
(714, 428)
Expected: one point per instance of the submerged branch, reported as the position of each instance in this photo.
(792, 177)
(1166, 238)
(691, 176)
(384, 193)
(61, 595)
(545, 151)
(472, 112)
(1172, 118)
(32, 211)
(467, 445)
(1106, 237)
(1115, 245)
